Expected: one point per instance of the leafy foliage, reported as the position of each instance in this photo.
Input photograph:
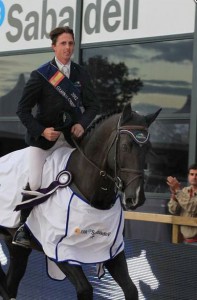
(113, 86)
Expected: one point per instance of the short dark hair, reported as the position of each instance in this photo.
(59, 30)
(192, 167)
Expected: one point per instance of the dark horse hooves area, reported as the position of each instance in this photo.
(109, 160)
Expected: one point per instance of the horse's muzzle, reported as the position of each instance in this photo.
(131, 202)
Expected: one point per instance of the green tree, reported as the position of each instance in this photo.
(112, 83)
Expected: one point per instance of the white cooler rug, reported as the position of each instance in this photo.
(65, 225)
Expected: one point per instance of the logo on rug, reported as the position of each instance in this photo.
(91, 232)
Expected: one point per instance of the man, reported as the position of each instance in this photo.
(183, 202)
(63, 94)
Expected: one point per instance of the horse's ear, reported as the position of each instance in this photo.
(126, 114)
(150, 118)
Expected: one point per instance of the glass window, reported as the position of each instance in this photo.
(169, 154)
(159, 74)
(150, 76)
(14, 72)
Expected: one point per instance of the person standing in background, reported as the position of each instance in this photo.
(183, 202)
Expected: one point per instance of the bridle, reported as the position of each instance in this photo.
(127, 129)
(43, 194)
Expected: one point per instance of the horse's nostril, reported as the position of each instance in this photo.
(130, 203)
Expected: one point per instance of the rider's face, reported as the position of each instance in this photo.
(64, 47)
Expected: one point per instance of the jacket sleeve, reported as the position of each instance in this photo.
(188, 203)
(30, 97)
(174, 207)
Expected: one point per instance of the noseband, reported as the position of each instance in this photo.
(129, 130)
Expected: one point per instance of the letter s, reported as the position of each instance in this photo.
(14, 22)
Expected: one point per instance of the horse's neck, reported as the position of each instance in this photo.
(95, 146)
(86, 167)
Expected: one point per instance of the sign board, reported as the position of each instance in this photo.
(26, 24)
(112, 20)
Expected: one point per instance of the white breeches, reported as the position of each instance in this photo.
(37, 158)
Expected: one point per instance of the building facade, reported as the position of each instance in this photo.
(138, 51)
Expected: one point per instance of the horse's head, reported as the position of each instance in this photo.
(130, 148)
(112, 157)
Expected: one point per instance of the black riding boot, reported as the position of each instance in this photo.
(22, 235)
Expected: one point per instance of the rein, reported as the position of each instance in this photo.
(116, 179)
(64, 177)
(102, 173)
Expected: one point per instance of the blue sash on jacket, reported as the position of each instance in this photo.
(61, 83)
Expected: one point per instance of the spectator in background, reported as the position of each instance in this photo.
(183, 202)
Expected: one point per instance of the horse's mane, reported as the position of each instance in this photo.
(99, 119)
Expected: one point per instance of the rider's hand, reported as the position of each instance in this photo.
(50, 134)
(77, 130)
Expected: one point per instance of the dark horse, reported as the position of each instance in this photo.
(109, 159)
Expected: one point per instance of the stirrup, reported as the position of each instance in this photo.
(22, 237)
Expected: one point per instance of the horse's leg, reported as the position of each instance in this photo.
(77, 277)
(18, 263)
(118, 269)
(3, 285)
